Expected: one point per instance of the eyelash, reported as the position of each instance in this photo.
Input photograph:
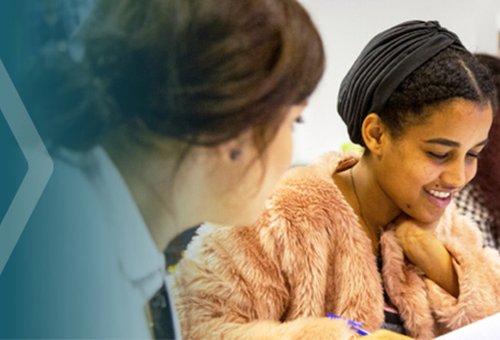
(299, 120)
(473, 154)
(445, 155)
(437, 155)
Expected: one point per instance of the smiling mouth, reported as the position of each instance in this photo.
(442, 195)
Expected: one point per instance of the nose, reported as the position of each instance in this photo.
(458, 174)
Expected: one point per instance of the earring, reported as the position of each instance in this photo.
(234, 154)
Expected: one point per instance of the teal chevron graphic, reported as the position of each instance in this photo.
(39, 170)
(14, 166)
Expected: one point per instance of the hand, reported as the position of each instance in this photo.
(425, 251)
(386, 334)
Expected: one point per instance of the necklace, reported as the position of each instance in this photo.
(363, 218)
(353, 184)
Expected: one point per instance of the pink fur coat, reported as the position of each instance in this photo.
(307, 255)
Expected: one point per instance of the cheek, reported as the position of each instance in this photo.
(285, 153)
(279, 153)
(409, 174)
(412, 166)
(276, 160)
(421, 174)
(471, 171)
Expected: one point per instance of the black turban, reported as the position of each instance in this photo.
(384, 63)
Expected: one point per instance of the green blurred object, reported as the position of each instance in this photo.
(351, 147)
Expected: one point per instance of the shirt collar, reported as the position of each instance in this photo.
(139, 259)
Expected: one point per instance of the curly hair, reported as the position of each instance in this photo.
(452, 73)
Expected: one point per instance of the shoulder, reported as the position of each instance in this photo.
(305, 206)
(224, 246)
(229, 263)
(310, 190)
(322, 169)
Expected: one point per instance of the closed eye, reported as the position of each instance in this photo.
(473, 154)
(439, 156)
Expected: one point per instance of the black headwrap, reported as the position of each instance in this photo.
(384, 63)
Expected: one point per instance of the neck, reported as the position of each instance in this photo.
(374, 207)
(150, 179)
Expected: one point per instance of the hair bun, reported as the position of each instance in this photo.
(69, 106)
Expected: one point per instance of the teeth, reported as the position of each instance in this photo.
(439, 194)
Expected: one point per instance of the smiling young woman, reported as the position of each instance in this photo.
(373, 238)
(436, 157)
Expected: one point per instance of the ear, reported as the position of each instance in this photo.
(374, 133)
(235, 150)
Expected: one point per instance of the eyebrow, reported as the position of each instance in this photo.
(451, 143)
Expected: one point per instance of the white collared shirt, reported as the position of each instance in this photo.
(134, 267)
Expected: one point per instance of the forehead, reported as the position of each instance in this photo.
(458, 119)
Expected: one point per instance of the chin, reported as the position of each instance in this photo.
(426, 219)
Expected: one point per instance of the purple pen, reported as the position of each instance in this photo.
(356, 325)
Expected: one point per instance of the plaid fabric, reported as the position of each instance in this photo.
(470, 203)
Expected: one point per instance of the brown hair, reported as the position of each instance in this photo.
(488, 169)
(197, 71)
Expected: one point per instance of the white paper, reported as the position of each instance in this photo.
(485, 329)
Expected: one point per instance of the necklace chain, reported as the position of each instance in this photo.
(363, 217)
(353, 184)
